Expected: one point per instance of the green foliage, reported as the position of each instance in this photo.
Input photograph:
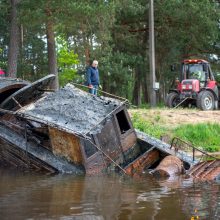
(66, 76)
(204, 135)
(149, 127)
(4, 33)
(66, 64)
(66, 58)
(32, 63)
(190, 29)
(116, 34)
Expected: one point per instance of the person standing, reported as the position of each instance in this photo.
(92, 76)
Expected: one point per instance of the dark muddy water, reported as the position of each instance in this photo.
(37, 196)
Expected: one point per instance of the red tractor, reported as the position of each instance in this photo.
(197, 86)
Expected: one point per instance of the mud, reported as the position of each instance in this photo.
(72, 109)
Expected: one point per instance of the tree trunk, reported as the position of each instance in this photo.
(14, 41)
(137, 87)
(86, 44)
(152, 55)
(51, 48)
(87, 55)
(145, 85)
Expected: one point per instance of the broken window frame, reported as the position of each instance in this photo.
(127, 121)
(83, 144)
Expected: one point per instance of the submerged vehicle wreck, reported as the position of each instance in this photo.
(72, 131)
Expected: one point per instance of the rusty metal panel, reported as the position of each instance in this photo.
(108, 141)
(66, 145)
(95, 164)
(93, 157)
(169, 166)
(88, 147)
(129, 140)
(144, 161)
(206, 170)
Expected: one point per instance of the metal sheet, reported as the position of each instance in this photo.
(7, 82)
(129, 140)
(206, 170)
(9, 86)
(66, 145)
(28, 93)
(108, 141)
(142, 162)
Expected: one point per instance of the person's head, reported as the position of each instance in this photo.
(95, 63)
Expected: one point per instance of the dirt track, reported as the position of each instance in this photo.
(174, 117)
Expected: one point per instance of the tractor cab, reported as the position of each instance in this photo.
(196, 86)
(198, 70)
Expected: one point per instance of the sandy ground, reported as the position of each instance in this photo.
(175, 117)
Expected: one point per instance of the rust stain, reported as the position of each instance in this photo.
(95, 164)
(144, 161)
(66, 145)
(206, 170)
(128, 141)
(169, 166)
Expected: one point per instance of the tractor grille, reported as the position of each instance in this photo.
(187, 91)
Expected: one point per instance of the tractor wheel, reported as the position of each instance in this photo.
(216, 105)
(172, 100)
(205, 101)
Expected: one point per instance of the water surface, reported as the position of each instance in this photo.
(38, 196)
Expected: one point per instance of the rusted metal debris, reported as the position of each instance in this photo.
(169, 166)
(71, 131)
(143, 162)
(206, 170)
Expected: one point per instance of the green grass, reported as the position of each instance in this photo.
(149, 127)
(147, 106)
(204, 135)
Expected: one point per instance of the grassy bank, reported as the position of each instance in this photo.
(188, 125)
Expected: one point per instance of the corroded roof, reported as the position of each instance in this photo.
(72, 109)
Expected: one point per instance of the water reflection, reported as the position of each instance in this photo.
(29, 196)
